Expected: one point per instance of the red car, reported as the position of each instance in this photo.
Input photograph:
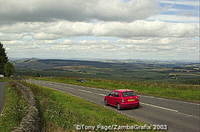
(122, 98)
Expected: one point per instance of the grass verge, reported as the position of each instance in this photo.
(184, 92)
(14, 109)
(61, 111)
(4, 79)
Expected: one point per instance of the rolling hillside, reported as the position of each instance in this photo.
(135, 70)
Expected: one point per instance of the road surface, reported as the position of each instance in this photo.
(178, 115)
(1, 95)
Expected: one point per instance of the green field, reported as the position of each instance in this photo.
(14, 109)
(5, 79)
(169, 72)
(184, 92)
(61, 111)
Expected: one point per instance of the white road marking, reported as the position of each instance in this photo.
(186, 114)
(85, 91)
(65, 88)
(102, 94)
(159, 107)
(140, 95)
(59, 87)
(69, 88)
(167, 109)
(145, 103)
(99, 89)
(169, 100)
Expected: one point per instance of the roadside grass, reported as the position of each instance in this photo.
(4, 79)
(185, 92)
(14, 109)
(61, 111)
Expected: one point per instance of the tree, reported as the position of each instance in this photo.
(9, 69)
(3, 58)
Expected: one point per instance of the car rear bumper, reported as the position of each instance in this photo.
(130, 105)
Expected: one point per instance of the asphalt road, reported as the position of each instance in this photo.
(1, 95)
(178, 115)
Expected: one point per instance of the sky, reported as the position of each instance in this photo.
(101, 29)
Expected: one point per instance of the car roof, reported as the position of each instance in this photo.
(122, 90)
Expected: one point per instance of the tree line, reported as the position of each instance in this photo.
(6, 67)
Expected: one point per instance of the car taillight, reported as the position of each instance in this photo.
(137, 97)
(123, 100)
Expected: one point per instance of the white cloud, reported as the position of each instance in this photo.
(182, 2)
(148, 41)
(75, 10)
(145, 48)
(64, 29)
(175, 18)
(45, 36)
(11, 36)
(146, 29)
(98, 29)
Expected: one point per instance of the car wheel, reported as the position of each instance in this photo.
(105, 102)
(137, 106)
(118, 107)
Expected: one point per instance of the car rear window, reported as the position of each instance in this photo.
(129, 93)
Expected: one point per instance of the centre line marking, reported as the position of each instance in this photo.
(159, 107)
(102, 94)
(85, 91)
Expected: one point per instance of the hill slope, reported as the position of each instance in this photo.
(137, 70)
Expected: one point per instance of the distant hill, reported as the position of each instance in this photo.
(51, 63)
(132, 70)
(34, 63)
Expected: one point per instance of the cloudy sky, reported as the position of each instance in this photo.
(101, 29)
